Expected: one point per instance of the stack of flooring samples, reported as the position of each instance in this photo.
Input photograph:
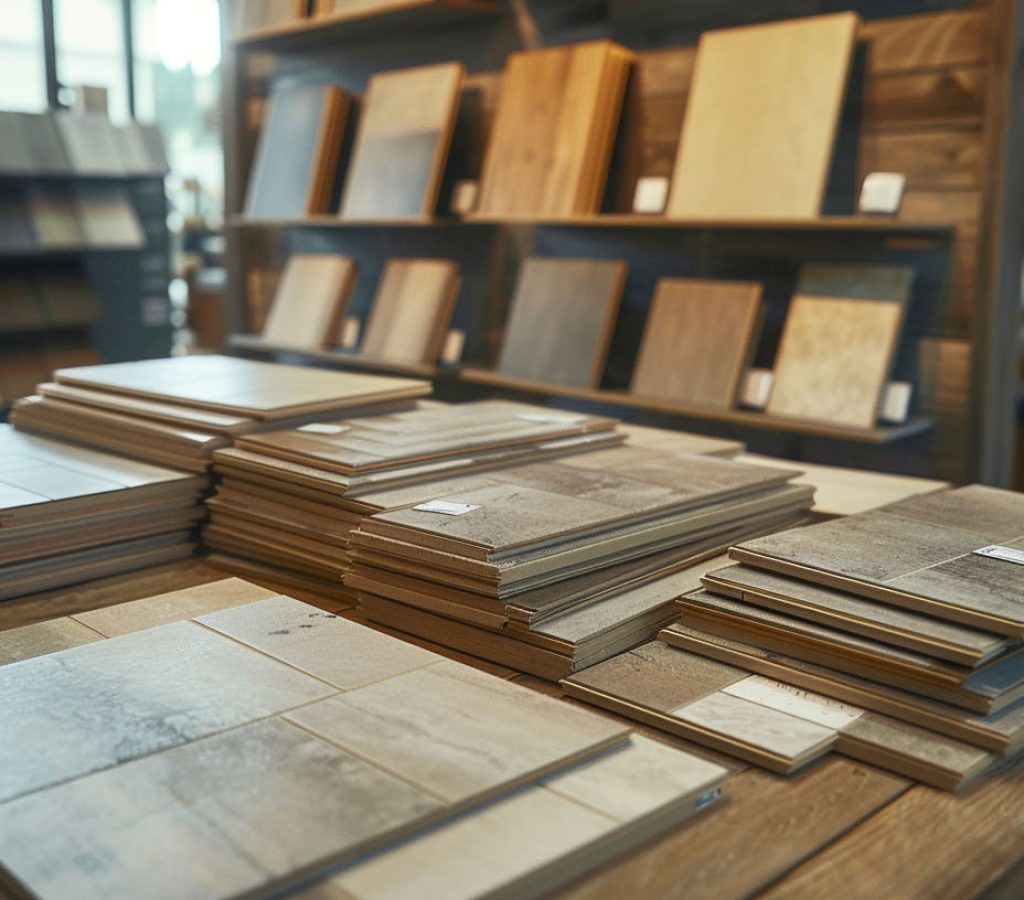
(280, 707)
(405, 131)
(699, 340)
(178, 411)
(289, 500)
(310, 302)
(911, 612)
(553, 133)
(412, 311)
(839, 343)
(68, 514)
(761, 120)
(553, 566)
(297, 154)
(561, 321)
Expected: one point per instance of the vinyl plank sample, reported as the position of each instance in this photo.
(297, 154)
(254, 15)
(552, 136)
(107, 216)
(41, 638)
(698, 340)
(837, 348)
(761, 119)
(310, 301)
(411, 311)
(52, 211)
(561, 320)
(401, 147)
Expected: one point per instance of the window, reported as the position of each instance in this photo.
(22, 71)
(89, 36)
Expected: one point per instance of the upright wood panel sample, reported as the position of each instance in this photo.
(552, 137)
(698, 340)
(310, 302)
(414, 304)
(253, 15)
(839, 343)
(404, 134)
(561, 320)
(51, 209)
(762, 118)
(107, 216)
(297, 155)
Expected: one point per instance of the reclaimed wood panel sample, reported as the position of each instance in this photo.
(297, 153)
(310, 303)
(762, 118)
(401, 147)
(839, 343)
(698, 340)
(561, 320)
(411, 310)
(551, 142)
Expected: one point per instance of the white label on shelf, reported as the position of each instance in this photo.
(882, 192)
(349, 333)
(896, 402)
(323, 428)
(444, 508)
(757, 388)
(651, 194)
(454, 344)
(552, 418)
(155, 312)
(464, 197)
(1007, 554)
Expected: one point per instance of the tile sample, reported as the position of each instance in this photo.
(310, 302)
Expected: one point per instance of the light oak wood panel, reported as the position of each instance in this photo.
(310, 303)
(253, 15)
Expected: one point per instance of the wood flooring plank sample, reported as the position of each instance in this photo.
(107, 216)
(699, 339)
(89, 141)
(561, 320)
(412, 310)
(401, 148)
(839, 343)
(310, 302)
(761, 119)
(553, 133)
(51, 209)
(297, 154)
(48, 152)
(40, 638)
(254, 15)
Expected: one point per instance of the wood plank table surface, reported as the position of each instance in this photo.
(840, 828)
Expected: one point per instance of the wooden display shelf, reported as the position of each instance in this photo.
(253, 343)
(65, 252)
(879, 435)
(335, 222)
(317, 31)
(36, 177)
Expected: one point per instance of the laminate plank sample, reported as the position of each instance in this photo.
(411, 311)
(475, 733)
(778, 88)
(41, 638)
(52, 211)
(839, 343)
(107, 216)
(561, 320)
(555, 165)
(88, 139)
(253, 15)
(310, 302)
(68, 300)
(401, 147)
(47, 146)
(297, 154)
(698, 340)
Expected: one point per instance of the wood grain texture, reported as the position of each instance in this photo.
(561, 320)
(310, 303)
(401, 148)
(778, 88)
(571, 96)
(698, 340)
(51, 209)
(107, 216)
(411, 310)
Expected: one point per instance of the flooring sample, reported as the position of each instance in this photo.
(254, 15)
(839, 343)
(15, 229)
(40, 638)
(761, 120)
(107, 216)
(698, 341)
(297, 154)
(88, 139)
(47, 146)
(68, 301)
(405, 130)
(22, 310)
(561, 320)
(552, 137)
(15, 150)
(54, 218)
(311, 299)
(411, 311)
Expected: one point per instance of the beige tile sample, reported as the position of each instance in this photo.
(41, 638)
(310, 301)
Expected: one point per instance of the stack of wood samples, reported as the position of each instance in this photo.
(405, 131)
(699, 339)
(280, 706)
(839, 343)
(761, 120)
(561, 321)
(411, 311)
(549, 567)
(552, 138)
(310, 301)
(289, 500)
(297, 154)
(68, 514)
(178, 411)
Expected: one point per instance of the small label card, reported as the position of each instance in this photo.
(464, 197)
(323, 428)
(552, 418)
(708, 797)
(349, 333)
(882, 192)
(651, 194)
(444, 508)
(1007, 554)
(454, 343)
(757, 388)
(896, 402)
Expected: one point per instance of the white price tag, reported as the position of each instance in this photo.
(651, 194)
(757, 388)
(551, 419)
(349, 333)
(444, 508)
(1007, 554)
(323, 428)
(882, 192)
(454, 344)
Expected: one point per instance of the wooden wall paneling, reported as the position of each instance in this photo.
(936, 160)
(926, 41)
(310, 301)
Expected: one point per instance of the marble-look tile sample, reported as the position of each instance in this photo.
(43, 637)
